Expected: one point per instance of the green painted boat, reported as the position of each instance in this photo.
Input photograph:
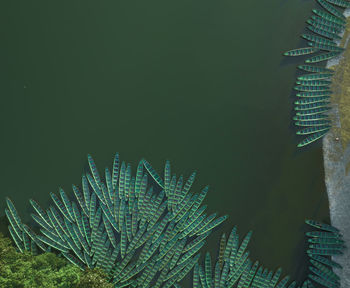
(327, 22)
(312, 111)
(327, 246)
(321, 281)
(326, 240)
(325, 261)
(309, 140)
(323, 32)
(315, 76)
(314, 93)
(324, 252)
(310, 117)
(324, 269)
(322, 57)
(340, 3)
(318, 39)
(313, 82)
(324, 27)
(311, 130)
(320, 122)
(311, 100)
(300, 51)
(321, 234)
(325, 47)
(329, 17)
(300, 107)
(315, 69)
(323, 275)
(322, 226)
(311, 88)
(331, 9)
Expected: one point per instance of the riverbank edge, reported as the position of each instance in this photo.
(336, 157)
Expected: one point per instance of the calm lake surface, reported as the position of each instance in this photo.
(201, 83)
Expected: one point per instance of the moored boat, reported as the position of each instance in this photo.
(340, 3)
(315, 69)
(322, 226)
(315, 76)
(311, 100)
(331, 9)
(327, 22)
(314, 93)
(318, 39)
(322, 234)
(324, 276)
(300, 51)
(313, 82)
(311, 130)
(326, 47)
(302, 107)
(327, 246)
(312, 111)
(309, 140)
(323, 32)
(324, 252)
(322, 57)
(320, 122)
(325, 261)
(324, 27)
(310, 117)
(329, 17)
(311, 88)
(321, 281)
(326, 240)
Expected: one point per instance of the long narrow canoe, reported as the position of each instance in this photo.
(327, 246)
(312, 111)
(302, 107)
(324, 252)
(314, 82)
(311, 130)
(325, 47)
(325, 261)
(310, 117)
(318, 39)
(322, 281)
(300, 51)
(315, 69)
(326, 240)
(323, 32)
(322, 57)
(327, 22)
(329, 17)
(306, 141)
(315, 76)
(311, 88)
(324, 27)
(331, 9)
(322, 226)
(322, 234)
(321, 122)
(311, 100)
(340, 3)
(314, 93)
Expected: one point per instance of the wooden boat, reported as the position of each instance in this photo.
(325, 261)
(325, 47)
(315, 76)
(313, 82)
(320, 122)
(324, 27)
(322, 281)
(300, 51)
(312, 111)
(324, 276)
(327, 246)
(329, 17)
(310, 117)
(314, 93)
(326, 240)
(323, 32)
(311, 130)
(303, 107)
(311, 88)
(324, 252)
(311, 100)
(331, 9)
(322, 234)
(318, 39)
(315, 69)
(322, 57)
(322, 226)
(327, 22)
(309, 140)
(340, 3)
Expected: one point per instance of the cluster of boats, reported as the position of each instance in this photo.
(313, 88)
(324, 244)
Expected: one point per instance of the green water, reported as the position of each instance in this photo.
(201, 83)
